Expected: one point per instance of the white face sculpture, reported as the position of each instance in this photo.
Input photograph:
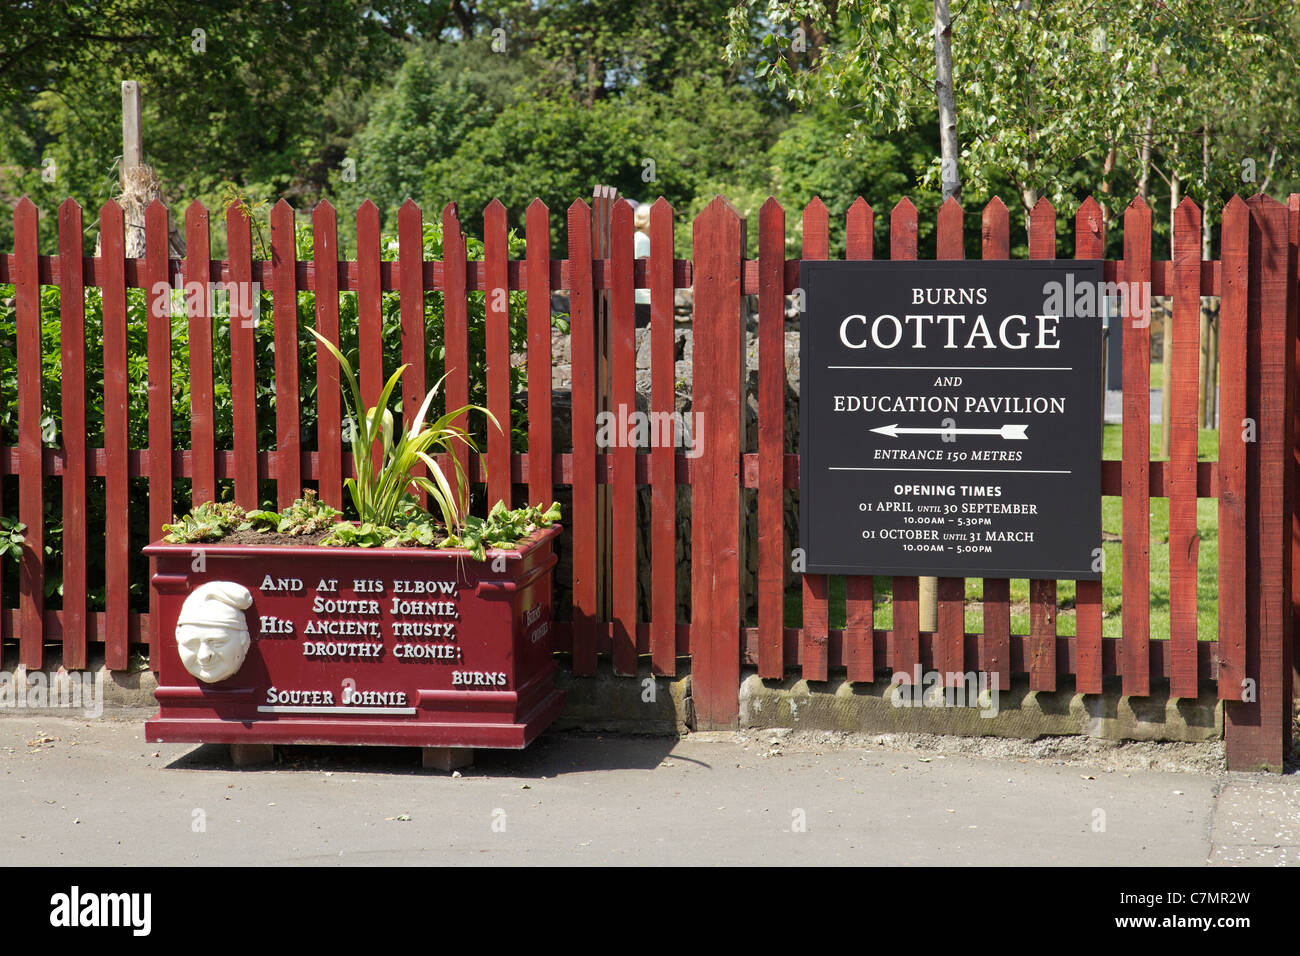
(211, 633)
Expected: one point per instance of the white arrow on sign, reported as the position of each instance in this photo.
(1015, 432)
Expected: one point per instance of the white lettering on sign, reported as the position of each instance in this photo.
(435, 652)
(342, 649)
(280, 584)
(445, 629)
(422, 616)
(304, 697)
(322, 605)
(424, 608)
(372, 698)
(270, 624)
(888, 332)
(949, 296)
(478, 679)
(343, 628)
(424, 587)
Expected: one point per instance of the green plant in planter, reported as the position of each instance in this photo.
(210, 521)
(307, 515)
(501, 528)
(377, 492)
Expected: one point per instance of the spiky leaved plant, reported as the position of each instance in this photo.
(377, 491)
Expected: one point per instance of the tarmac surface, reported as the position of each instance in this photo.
(94, 792)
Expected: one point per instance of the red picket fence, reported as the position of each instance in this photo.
(1253, 480)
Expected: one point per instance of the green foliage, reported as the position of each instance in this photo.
(501, 529)
(435, 98)
(590, 51)
(210, 521)
(11, 537)
(547, 149)
(307, 515)
(1043, 90)
(251, 77)
(365, 534)
(379, 487)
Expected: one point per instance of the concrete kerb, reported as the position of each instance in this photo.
(616, 704)
(23, 692)
(646, 704)
(840, 705)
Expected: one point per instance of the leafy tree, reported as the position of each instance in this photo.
(231, 90)
(554, 150)
(437, 97)
(1040, 86)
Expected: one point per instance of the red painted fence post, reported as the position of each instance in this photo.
(717, 527)
(31, 470)
(1258, 731)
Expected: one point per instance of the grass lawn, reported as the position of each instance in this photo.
(1207, 580)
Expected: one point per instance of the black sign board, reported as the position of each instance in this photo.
(950, 418)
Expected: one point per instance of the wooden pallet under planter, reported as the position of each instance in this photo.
(388, 646)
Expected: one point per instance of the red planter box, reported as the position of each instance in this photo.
(398, 646)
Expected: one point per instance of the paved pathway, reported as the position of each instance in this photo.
(83, 792)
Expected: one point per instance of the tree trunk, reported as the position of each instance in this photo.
(1107, 167)
(949, 174)
(928, 587)
(1148, 139)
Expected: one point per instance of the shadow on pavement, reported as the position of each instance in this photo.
(549, 756)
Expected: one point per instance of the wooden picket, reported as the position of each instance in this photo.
(663, 458)
(996, 659)
(816, 587)
(1183, 538)
(1136, 518)
(1256, 279)
(31, 459)
(72, 361)
(370, 320)
(538, 229)
(197, 275)
(622, 392)
(859, 590)
(1042, 594)
(497, 308)
(243, 367)
(158, 275)
(772, 550)
(1089, 243)
(284, 289)
(329, 401)
(116, 494)
(582, 339)
(1233, 345)
(906, 655)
